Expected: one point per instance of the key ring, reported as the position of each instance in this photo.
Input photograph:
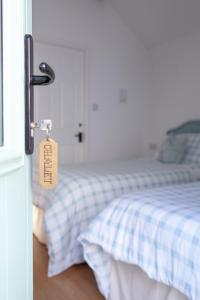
(48, 132)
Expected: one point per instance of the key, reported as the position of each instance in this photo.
(44, 125)
(48, 156)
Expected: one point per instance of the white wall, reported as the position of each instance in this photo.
(115, 59)
(175, 82)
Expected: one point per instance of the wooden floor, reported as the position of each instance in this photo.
(77, 283)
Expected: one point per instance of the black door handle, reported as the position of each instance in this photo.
(43, 80)
(79, 135)
(30, 81)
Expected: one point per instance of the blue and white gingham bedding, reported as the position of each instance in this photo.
(192, 155)
(158, 230)
(84, 191)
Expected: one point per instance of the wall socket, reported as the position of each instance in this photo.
(123, 95)
(153, 147)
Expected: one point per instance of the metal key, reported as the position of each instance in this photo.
(44, 125)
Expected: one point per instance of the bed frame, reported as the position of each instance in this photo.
(192, 126)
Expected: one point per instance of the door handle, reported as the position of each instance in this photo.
(79, 135)
(30, 81)
(43, 80)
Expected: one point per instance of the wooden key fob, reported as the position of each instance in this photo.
(48, 163)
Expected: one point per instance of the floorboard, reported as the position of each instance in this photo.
(77, 283)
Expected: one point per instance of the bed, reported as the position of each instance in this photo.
(146, 245)
(85, 190)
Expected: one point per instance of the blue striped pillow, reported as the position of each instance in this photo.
(173, 149)
(192, 154)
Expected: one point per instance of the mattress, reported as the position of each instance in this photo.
(84, 190)
(129, 282)
(38, 224)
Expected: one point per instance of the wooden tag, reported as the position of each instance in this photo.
(48, 163)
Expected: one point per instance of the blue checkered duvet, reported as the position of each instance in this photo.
(85, 190)
(158, 230)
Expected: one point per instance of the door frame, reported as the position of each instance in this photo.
(15, 166)
(85, 97)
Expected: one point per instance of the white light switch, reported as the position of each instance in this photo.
(95, 107)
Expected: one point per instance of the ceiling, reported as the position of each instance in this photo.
(158, 21)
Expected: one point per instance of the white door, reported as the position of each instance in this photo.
(15, 168)
(63, 102)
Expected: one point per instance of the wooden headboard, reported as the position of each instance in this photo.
(192, 126)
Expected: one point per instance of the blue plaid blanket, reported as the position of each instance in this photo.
(85, 190)
(158, 230)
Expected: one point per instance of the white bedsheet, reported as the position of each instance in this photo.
(129, 282)
(85, 190)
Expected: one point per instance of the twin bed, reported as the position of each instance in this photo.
(156, 230)
(87, 193)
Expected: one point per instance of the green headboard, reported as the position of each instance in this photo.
(192, 126)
